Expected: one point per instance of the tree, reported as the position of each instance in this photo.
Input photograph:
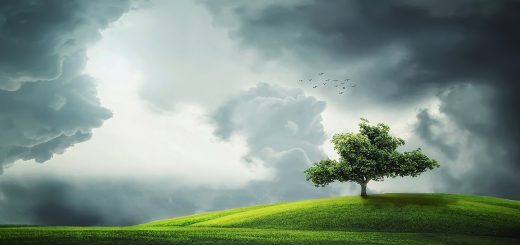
(368, 155)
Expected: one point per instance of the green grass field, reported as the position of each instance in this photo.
(377, 219)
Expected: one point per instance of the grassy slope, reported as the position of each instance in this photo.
(378, 219)
(418, 213)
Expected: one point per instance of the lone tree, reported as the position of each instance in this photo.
(368, 155)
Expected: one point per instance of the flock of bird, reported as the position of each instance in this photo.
(341, 85)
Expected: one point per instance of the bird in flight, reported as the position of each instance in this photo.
(341, 85)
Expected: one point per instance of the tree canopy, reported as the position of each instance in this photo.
(368, 155)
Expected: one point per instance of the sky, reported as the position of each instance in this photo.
(121, 112)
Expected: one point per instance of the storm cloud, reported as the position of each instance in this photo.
(480, 159)
(46, 103)
(409, 50)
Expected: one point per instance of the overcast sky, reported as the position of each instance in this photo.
(121, 112)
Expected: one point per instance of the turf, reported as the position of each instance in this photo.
(377, 219)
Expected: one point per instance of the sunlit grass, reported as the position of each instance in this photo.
(377, 219)
(423, 213)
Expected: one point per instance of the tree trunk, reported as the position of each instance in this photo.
(363, 189)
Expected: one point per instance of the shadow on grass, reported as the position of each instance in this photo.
(405, 200)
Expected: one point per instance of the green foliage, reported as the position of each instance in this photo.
(378, 219)
(323, 172)
(368, 155)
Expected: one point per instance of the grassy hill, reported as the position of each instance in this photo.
(377, 219)
(419, 213)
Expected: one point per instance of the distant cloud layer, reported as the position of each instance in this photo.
(46, 103)
(59, 201)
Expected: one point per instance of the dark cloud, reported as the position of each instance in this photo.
(46, 117)
(36, 36)
(46, 103)
(435, 43)
(409, 50)
(426, 129)
(481, 160)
